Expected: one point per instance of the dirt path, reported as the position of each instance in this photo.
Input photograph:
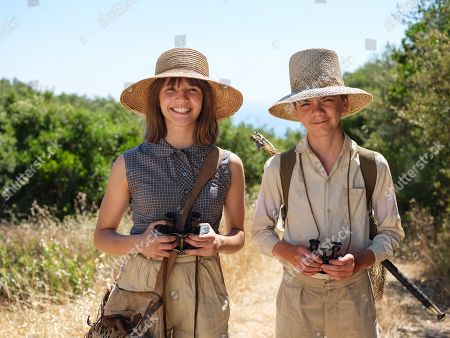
(253, 311)
(252, 308)
(400, 315)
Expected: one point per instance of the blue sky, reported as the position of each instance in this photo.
(95, 48)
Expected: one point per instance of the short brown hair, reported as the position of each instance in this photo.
(343, 96)
(206, 128)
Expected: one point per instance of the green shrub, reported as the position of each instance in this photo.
(54, 147)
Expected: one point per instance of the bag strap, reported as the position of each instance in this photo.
(369, 171)
(287, 163)
(208, 169)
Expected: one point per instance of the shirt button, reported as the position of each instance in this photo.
(184, 173)
(174, 295)
(329, 210)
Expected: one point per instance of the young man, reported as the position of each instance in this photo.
(326, 202)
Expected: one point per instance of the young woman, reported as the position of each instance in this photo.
(182, 106)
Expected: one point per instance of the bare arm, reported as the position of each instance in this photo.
(114, 204)
(234, 210)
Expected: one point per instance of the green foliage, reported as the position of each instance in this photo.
(409, 117)
(55, 147)
(409, 120)
(423, 68)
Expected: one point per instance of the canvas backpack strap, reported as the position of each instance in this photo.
(287, 163)
(377, 272)
(369, 172)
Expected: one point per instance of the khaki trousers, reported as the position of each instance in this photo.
(316, 308)
(139, 274)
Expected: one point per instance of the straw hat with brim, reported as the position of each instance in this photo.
(316, 73)
(188, 63)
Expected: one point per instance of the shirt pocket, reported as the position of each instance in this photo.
(358, 205)
(300, 225)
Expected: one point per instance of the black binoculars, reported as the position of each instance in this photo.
(192, 227)
(335, 251)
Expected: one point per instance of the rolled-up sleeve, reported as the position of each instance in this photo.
(268, 207)
(390, 231)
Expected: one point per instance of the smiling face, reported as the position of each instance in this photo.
(180, 102)
(321, 116)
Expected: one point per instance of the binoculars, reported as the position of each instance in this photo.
(335, 251)
(192, 227)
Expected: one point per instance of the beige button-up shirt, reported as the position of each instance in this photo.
(328, 195)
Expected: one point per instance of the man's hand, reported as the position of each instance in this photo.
(207, 244)
(303, 260)
(342, 268)
(345, 267)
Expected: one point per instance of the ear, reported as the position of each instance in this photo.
(345, 105)
(297, 111)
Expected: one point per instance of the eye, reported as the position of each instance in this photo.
(303, 104)
(327, 99)
(193, 89)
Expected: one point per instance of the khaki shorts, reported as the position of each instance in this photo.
(309, 307)
(139, 274)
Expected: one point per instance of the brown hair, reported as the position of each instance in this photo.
(206, 128)
(295, 103)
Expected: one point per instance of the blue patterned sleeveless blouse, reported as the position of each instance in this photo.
(160, 179)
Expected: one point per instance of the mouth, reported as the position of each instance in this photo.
(180, 110)
(320, 122)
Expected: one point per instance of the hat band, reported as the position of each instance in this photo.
(318, 83)
(198, 66)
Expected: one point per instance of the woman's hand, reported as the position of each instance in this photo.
(207, 244)
(152, 245)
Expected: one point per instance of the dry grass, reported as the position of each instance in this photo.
(252, 281)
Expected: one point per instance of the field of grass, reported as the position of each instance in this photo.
(52, 278)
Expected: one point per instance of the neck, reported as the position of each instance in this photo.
(180, 138)
(327, 148)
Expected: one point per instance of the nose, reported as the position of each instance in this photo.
(316, 107)
(181, 94)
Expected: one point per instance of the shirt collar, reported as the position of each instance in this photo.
(303, 145)
(163, 148)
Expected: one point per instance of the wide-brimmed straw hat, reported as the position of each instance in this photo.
(188, 63)
(316, 73)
